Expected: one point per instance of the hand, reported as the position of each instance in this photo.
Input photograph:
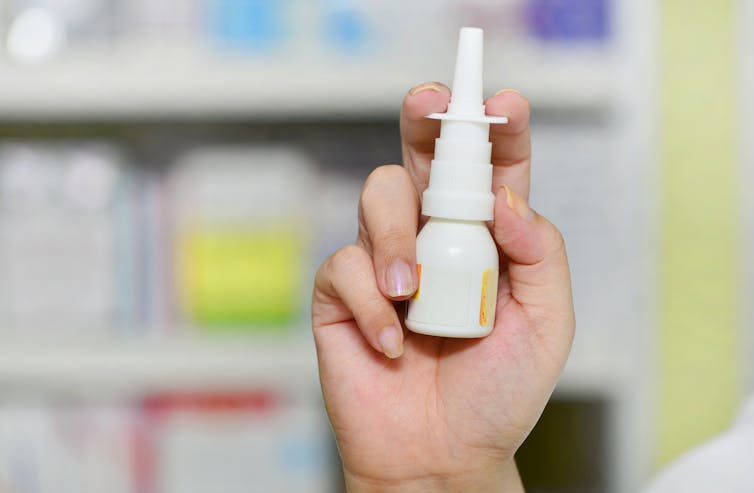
(420, 413)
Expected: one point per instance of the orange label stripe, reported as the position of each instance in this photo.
(419, 283)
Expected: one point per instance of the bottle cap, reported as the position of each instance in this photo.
(460, 181)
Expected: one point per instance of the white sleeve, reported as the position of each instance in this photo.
(724, 464)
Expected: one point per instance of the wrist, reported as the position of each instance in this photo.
(501, 479)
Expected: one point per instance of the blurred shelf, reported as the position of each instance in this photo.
(283, 364)
(589, 380)
(286, 364)
(132, 88)
(594, 371)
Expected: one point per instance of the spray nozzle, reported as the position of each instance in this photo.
(467, 102)
(460, 180)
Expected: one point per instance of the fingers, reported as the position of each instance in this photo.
(511, 143)
(356, 282)
(346, 286)
(388, 215)
(418, 133)
(538, 267)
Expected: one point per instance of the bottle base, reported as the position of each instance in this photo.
(473, 332)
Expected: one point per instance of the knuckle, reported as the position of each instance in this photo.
(380, 179)
(508, 236)
(385, 173)
(556, 239)
(373, 309)
(345, 259)
(393, 239)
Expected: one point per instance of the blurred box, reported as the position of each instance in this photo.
(234, 443)
(242, 229)
(48, 448)
(64, 252)
(160, 22)
(262, 26)
(167, 443)
(42, 29)
(569, 20)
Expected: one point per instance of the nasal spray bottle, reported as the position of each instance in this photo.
(457, 258)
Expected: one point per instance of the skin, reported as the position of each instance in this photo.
(420, 413)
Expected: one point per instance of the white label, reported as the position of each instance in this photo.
(442, 298)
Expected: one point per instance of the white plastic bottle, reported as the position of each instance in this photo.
(457, 258)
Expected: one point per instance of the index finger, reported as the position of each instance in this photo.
(418, 133)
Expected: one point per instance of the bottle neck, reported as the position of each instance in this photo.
(456, 222)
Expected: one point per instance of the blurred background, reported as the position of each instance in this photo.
(172, 173)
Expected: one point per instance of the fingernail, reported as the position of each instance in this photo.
(391, 340)
(423, 87)
(508, 90)
(518, 205)
(399, 279)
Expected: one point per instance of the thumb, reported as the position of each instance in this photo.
(538, 266)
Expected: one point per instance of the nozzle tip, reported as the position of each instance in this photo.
(468, 31)
(468, 80)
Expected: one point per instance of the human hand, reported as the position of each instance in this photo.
(412, 412)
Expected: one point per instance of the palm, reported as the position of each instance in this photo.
(444, 400)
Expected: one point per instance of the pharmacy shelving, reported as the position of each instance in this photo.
(132, 88)
(285, 364)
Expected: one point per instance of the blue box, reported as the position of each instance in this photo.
(568, 20)
(260, 25)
